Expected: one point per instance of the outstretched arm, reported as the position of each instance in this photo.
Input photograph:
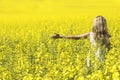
(56, 36)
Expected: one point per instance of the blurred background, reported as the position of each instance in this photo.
(12, 9)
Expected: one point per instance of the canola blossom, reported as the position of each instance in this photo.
(28, 53)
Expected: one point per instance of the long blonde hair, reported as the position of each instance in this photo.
(100, 31)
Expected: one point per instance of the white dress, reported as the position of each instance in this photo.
(97, 51)
(94, 45)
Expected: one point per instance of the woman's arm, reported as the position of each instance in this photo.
(56, 36)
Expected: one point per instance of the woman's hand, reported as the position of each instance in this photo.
(56, 36)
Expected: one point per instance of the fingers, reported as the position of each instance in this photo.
(56, 36)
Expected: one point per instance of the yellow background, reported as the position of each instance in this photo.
(57, 8)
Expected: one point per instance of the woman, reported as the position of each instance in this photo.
(99, 38)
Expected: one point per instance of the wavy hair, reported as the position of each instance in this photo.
(100, 31)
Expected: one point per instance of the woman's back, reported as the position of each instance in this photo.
(96, 46)
(99, 39)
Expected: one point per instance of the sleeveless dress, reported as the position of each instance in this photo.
(96, 51)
